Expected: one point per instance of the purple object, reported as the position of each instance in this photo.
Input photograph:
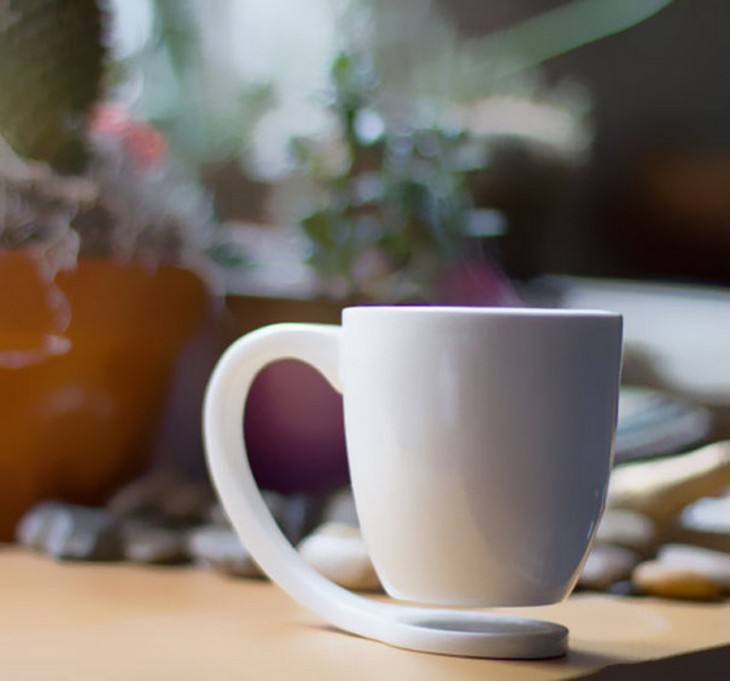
(294, 430)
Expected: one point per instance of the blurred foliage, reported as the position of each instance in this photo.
(207, 114)
(383, 224)
(414, 104)
(383, 157)
(420, 52)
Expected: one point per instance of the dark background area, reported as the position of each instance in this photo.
(654, 199)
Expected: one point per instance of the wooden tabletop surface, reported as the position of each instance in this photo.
(71, 621)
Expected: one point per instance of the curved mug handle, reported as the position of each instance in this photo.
(453, 632)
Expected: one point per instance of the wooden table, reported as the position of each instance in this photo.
(98, 622)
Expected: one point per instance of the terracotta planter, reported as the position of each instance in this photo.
(84, 372)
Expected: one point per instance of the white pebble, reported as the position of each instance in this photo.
(220, 549)
(338, 552)
(627, 528)
(712, 564)
(340, 508)
(605, 565)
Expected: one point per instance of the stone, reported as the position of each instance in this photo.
(142, 496)
(152, 545)
(605, 565)
(186, 503)
(33, 527)
(706, 523)
(657, 578)
(712, 564)
(717, 541)
(296, 515)
(338, 552)
(629, 529)
(661, 488)
(163, 497)
(710, 514)
(339, 507)
(216, 515)
(69, 532)
(623, 587)
(220, 549)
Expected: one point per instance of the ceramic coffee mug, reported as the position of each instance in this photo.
(479, 444)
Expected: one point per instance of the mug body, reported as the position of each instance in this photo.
(480, 445)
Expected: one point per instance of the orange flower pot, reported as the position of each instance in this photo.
(85, 365)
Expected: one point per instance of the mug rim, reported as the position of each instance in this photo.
(486, 310)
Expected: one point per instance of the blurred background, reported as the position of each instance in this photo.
(285, 159)
(585, 137)
(652, 199)
(601, 126)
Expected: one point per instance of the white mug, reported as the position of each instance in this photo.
(479, 442)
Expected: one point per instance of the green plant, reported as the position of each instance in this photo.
(386, 200)
(52, 58)
(383, 223)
